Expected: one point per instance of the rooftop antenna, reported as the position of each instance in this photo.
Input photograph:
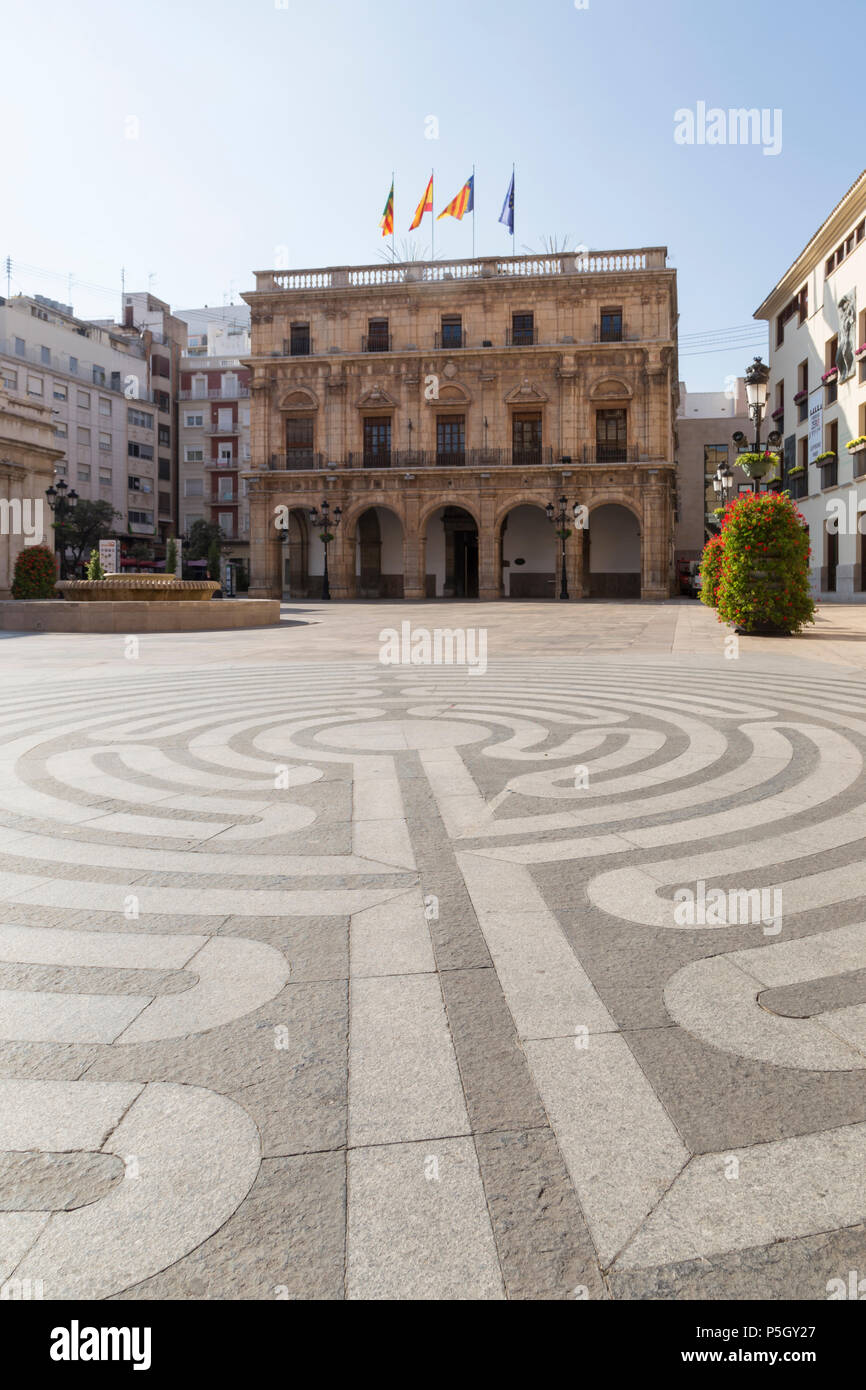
(150, 279)
(8, 276)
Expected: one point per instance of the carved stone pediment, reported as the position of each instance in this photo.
(376, 398)
(299, 398)
(526, 394)
(610, 388)
(450, 393)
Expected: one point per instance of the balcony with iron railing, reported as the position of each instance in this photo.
(461, 341)
(480, 268)
(412, 460)
(233, 427)
(376, 342)
(215, 394)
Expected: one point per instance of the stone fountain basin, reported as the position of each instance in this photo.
(138, 588)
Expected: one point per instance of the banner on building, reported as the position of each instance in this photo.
(109, 556)
(816, 424)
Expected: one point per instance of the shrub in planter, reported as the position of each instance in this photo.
(94, 566)
(711, 571)
(764, 580)
(35, 573)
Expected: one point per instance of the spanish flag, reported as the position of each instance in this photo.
(463, 203)
(387, 223)
(425, 206)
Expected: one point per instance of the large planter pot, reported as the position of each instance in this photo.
(756, 468)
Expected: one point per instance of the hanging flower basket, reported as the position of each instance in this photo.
(824, 460)
(757, 465)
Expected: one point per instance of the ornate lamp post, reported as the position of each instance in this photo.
(326, 522)
(62, 502)
(560, 520)
(757, 382)
(723, 483)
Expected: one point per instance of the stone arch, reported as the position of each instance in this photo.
(377, 552)
(526, 554)
(296, 563)
(451, 567)
(613, 549)
(610, 388)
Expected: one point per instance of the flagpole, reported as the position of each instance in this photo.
(433, 214)
(394, 220)
(473, 212)
(514, 209)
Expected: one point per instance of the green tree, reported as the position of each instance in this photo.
(764, 578)
(171, 557)
(213, 559)
(88, 523)
(201, 536)
(94, 566)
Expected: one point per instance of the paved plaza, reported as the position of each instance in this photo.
(323, 978)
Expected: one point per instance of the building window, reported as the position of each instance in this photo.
(193, 422)
(104, 405)
(99, 376)
(34, 386)
(522, 330)
(141, 518)
(193, 456)
(225, 490)
(160, 366)
(19, 347)
(526, 438)
(140, 418)
(803, 389)
(83, 473)
(451, 440)
(798, 306)
(10, 379)
(611, 326)
(452, 331)
(165, 504)
(105, 441)
(165, 470)
(84, 435)
(105, 477)
(60, 432)
(226, 523)
(610, 436)
(193, 487)
(199, 388)
(164, 433)
(60, 392)
(831, 390)
(45, 356)
(378, 336)
(73, 366)
(83, 400)
(845, 248)
(299, 341)
(139, 451)
(299, 441)
(377, 443)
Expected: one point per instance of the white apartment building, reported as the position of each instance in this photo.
(214, 426)
(94, 380)
(817, 318)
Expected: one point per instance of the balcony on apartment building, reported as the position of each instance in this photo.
(220, 427)
(216, 393)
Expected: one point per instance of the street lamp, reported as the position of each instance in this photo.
(326, 522)
(62, 502)
(560, 520)
(757, 387)
(723, 483)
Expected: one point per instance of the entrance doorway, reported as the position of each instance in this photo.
(379, 568)
(452, 554)
(614, 543)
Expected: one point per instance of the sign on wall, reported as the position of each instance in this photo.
(816, 424)
(109, 556)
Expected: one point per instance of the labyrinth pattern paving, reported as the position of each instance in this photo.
(336, 980)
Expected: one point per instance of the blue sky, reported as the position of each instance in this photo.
(262, 128)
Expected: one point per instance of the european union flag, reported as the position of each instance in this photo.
(507, 215)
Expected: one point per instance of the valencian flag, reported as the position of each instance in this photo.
(425, 206)
(387, 223)
(507, 215)
(463, 203)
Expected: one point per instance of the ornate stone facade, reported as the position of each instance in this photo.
(441, 405)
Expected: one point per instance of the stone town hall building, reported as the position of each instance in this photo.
(443, 405)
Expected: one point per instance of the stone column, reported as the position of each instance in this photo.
(265, 548)
(489, 555)
(655, 540)
(414, 552)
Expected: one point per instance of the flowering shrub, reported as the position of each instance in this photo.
(764, 577)
(711, 571)
(35, 573)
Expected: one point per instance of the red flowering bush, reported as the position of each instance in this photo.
(764, 574)
(711, 571)
(35, 573)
